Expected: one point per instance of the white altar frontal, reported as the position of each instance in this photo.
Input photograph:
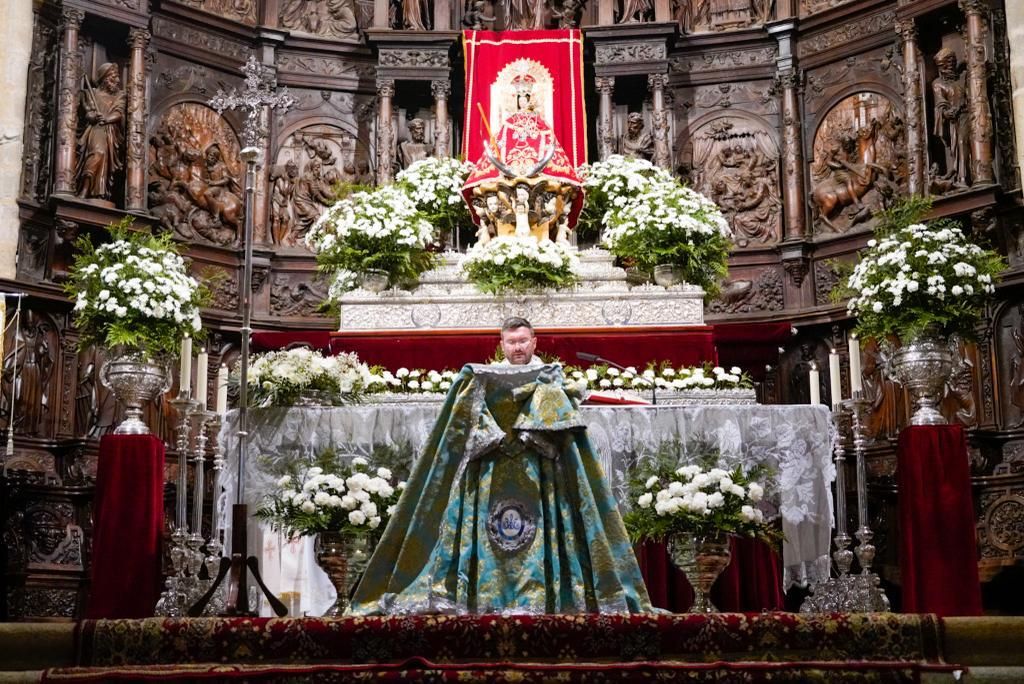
(794, 441)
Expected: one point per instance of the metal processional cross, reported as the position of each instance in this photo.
(260, 94)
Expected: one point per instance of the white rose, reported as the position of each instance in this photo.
(284, 481)
(356, 517)
(321, 498)
(348, 502)
(651, 481)
(756, 491)
(747, 513)
(374, 522)
(645, 500)
(359, 461)
(384, 473)
(308, 507)
(715, 500)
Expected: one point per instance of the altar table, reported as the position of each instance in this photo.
(795, 441)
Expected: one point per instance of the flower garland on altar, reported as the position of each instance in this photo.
(283, 378)
(134, 292)
(697, 499)
(915, 277)
(651, 219)
(663, 376)
(379, 230)
(520, 264)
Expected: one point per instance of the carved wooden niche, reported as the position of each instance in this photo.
(859, 162)
(700, 16)
(30, 374)
(195, 175)
(95, 406)
(735, 162)
(1009, 331)
(309, 164)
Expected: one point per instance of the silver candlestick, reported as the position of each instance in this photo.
(173, 599)
(871, 597)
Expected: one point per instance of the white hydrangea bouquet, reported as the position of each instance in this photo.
(435, 186)
(355, 500)
(287, 377)
(651, 219)
(381, 230)
(134, 292)
(697, 499)
(520, 264)
(916, 277)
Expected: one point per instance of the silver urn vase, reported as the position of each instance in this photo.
(702, 560)
(923, 367)
(135, 379)
(344, 558)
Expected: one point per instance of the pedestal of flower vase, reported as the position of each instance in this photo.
(702, 560)
(344, 559)
(923, 367)
(135, 381)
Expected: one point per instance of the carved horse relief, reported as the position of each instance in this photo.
(194, 175)
(859, 165)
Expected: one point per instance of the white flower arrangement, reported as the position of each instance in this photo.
(281, 378)
(510, 263)
(435, 186)
(379, 230)
(406, 381)
(135, 292)
(914, 277)
(651, 219)
(356, 500)
(695, 500)
(664, 377)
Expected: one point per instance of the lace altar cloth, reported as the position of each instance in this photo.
(795, 441)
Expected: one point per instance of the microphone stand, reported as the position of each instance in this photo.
(594, 358)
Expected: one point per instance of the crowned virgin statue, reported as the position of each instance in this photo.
(524, 183)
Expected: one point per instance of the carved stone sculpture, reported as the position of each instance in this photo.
(637, 141)
(858, 167)
(952, 124)
(737, 164)
(636, 11)
(570, 13)
(101, 145)
(1017, 366)
(416, 148)
(475, 14)
(194, 174)
(525, 14)
(327, 18)
(416, 15)
(26, 375)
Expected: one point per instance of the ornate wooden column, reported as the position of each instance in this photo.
(605, 133)
(977, 92)
(912, 102)
(442, 138)
(793, 191)
(67, 104)
(385, 136)
(135, 174)
(659, 120)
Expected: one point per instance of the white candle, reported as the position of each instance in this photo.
(185, 365)
(833, 376)
(815, 385)
(201, 379)
(222, 389)
(854, 344)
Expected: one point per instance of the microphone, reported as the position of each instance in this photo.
(15, 295)
(594, 358)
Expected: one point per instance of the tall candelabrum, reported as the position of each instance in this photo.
(846, 592)
(191, 570)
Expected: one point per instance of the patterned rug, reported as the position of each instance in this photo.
(419, 670)
(729, 637)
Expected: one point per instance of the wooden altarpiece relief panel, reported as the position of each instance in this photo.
(858, 164)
